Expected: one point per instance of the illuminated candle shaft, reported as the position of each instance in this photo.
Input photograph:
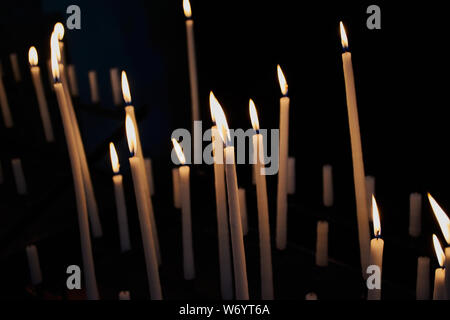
(291, 176)
(423, 279)
(115, 85)
(328, 194)
(15, 67)
(176, 188)
(33, 264)
(149, 173)
(192, 69)
(19, 177)
(121, 208)
(4, 105)
(42, 103)
(93, 85)
(322, 244)
(188, 251)
(243, 210)
(281, 235)
(447, 271)
(370, 190)
(415, 214)
(439, 284)
(376, 258)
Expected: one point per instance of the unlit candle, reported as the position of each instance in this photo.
(327, 178)
(415, 214)
(19, 177)
(322, 244)
(33, 264)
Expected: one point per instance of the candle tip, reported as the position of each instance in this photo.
(344, 40)
(220, 119)
(442, 218)
(376, 218)
(131, 134)
(440, 255)
(33, 56)
(114, 158)
(187, 9)
(253, 115)
(179, 151)
(282, 81)
(125, 88)
(59, 30)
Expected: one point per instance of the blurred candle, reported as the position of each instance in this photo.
(93, 85)
(376, 250)
(281, 228)
(186, 230)
(6, 112)
(291, 176)
(327, 176)
(139, 182)
(72, 80)
(19, 177)
(263, 208)
(311, 296)
(423, 279)
(124, 295)
(439, 292)
(121, 207)
(176, 188)
(415, 214)
(243, 210)
(322, 244)
(149, 173)
(357, 156)
(15, 67)
(370, 189)
(39, 89)
(33, 265)
(58, 29)
(115, 86)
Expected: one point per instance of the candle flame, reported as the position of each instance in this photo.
(187, 9)
(344, 39)
(178, 151)
(376, 218)
(125, 88)
(282, 81)
(33, 56)
(114, 158)
(131, 134)
(442, 218)
(59, 30)
(55, 64)
(253, 115)
(54, 46)
(439, 252)
(219, 117)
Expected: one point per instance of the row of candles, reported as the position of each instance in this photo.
(371, 252)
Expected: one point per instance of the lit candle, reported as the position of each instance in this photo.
(19, 177)
(281, 231)
(124, 295)
(15, 67)
(149, 173)
(243, 210)
(291, 176)
(415, 214)
(93, 85)
(86, 246)
(263, 208)
(176, 188)
(423, 279)
(72, 80)
(370, 190)
(439, 292)
(444, 224)
(6, 112)
(327, 177)
(322, 244)
(357, 156)
(137, 170)
(39, 89)
(115, 85)
(376, 250)
(58, 29)
(237, 239)
(185, 194)
(33, 264)
(121, 207)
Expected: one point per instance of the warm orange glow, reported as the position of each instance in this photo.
(219, 116)
(442, 218)
(344, 39)
(212, 99)
(54, 46)
(33, 56)
(114, 158)
(131, 134)
(59, 30)
(439, 252)
(253, 115)
(282, 81)
(125, 88)
(187, 8)
(178, 151)
(376, 218)
(55, 64)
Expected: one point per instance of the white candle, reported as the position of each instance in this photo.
(243, 210)
(121, 207)
(291, 176)
(6, 112)
(415, 214)
(185, 193)
(124, 295)
(19, 177)
(176, 188)
(327, 178)
(15, 67)
(93, 85)
(376, 250)
(139, 182)
(439, 292)
(322, 244)
(72, 80)
(39, 89)
(281, 228)
(423, 279)
(115, 86)
(149, 173)
(263, 209)
(357, 156)
(370, 190)
(33, 264)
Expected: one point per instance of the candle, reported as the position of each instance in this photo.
(176, 188)
(185, 194)
(376, 250)
(291, 176)
(121, 207)
(415, 214)
(124, 295)
(281, 230)
(39, 89)
(6, 112)
(357, 156)
(115, 86)
(439, 292)
(444, 224)
(149, 173)
(370, 190)
(263, 208)
(72, 80)
(322, 244)
(50, 76)
(311, 296)
(86, 247)
(327, 176)
(58, 29)
(243, 210)
(423, 279)
(137, 170)
(237, 240)
(15, 67)
(95, 96)
(33, 264)
(19, 177)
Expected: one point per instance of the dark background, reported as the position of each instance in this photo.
(401, 82)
